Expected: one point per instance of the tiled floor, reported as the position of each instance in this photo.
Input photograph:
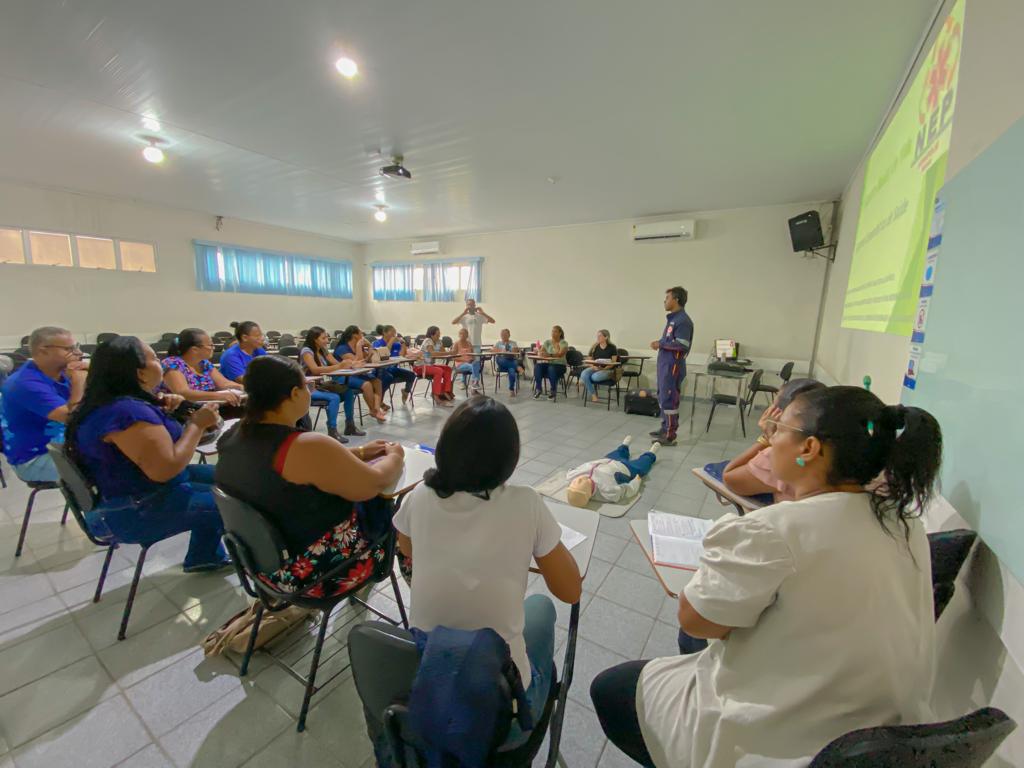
(70, 694)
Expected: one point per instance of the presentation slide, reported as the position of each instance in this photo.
(903, 174)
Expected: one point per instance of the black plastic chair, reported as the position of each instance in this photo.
(103, 338)
(257, 547)
(631, 371)
(949, 551)
(81, 497)
(35, 487)
(286, 340)
(24, 341)
(755, 386)
(966, 742)
(717, 398)
(288, 351)
(498, 373)
(168, 337)
(384, 663)
(787, 372)
(446, 342)
(574, 368)
(273, 335)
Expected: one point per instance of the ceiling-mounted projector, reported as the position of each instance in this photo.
(396, 170)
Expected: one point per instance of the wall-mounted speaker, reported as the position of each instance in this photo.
(805, 231)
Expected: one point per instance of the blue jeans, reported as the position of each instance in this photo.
(539, 635)
(509, 366)
(547, 371)
(39, 469)
(333, 402)
(590, 376)
(470, 369)
(641, 465)
(389, 376)
(156, 516)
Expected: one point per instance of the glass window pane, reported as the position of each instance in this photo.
(50, 248)
(417, 279)
(464, 277)
(11, 248)
(95, 253)
(137, 257)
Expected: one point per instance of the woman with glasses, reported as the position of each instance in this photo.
(821, 607)
(189, 373)
(750, 473)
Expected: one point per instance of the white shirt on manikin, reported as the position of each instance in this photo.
(606, 487)
(471, 559)
(834, 632)
(474, 324)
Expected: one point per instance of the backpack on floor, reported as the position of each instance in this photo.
(643, 402)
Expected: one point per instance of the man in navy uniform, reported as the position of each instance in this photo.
(673, 347)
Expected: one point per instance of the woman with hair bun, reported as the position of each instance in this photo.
(320, 495)
(822, 606)
(249, 344)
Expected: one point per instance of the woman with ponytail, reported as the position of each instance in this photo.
(321, 495)
(189, 373)
(474, 536)
(823, 605)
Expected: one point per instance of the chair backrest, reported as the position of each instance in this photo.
(755, 380)
(103, 338)
(574, 357)
(286, 338)
(447, 341)
(257, 541)
(161, 346)
(288, 351)
(787, 371)
(949, 551)
(966, 742)
(384, 663)
(273, 334)
(303, 332)
(420, 338)
(169, 336)
(78, 491)
(88, 348)
(24, 341)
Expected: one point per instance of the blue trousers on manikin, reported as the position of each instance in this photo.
(641, 465)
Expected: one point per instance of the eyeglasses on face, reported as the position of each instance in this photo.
(71, 348)
(782, 425)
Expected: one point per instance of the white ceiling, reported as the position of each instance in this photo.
(638, 108)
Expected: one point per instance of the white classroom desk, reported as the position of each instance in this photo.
(416, 463)
(743, 504)
(583, 520)
(210, 448)
(673, 580)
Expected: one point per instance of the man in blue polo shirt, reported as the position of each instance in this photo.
(37, 399)
(673, 347)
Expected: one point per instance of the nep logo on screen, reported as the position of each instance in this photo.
(935, 108)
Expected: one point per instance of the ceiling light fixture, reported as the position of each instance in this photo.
(150, 123)
(381, 214)
(153, 153)
(347, 67)
(379, 195)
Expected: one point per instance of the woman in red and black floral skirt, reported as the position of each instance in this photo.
(320, 495)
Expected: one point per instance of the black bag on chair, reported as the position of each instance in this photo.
(330, 385)
(643, 402)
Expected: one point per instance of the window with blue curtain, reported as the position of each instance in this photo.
(441, 279)
(230, 269)
(394, 282)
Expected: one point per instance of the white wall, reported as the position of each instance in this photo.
(982, 634)
(743, 279)
(91, 301)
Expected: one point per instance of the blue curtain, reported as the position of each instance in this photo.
(473, 286)
(393, 282)
(436, 283)
(226, 268)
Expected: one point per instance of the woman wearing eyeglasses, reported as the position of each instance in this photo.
(821, 608)
(189, 373)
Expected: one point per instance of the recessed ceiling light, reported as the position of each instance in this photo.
(153, 154)
(347, 67)
(150, 123)
(379, 195)
(381, 213)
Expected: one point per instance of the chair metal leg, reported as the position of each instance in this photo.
(316, 421)
(711, 416)
(131, 593)
(3, 481)
(399, 600)
(64, 517)
(103, 573)
(251, 645)
(311, 680)
(24, 521)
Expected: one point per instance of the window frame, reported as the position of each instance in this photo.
(73, 235)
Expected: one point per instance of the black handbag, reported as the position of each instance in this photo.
(643, 402)
(332, 385)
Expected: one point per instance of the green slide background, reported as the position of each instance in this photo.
(971, 375)
(896, 200)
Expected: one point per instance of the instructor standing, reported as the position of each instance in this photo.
(673, 347)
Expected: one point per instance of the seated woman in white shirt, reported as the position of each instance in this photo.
(822, 606)
(471, 538)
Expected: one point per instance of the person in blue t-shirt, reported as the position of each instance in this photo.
(352, 348)
(236, 359)
(390, 340)
(123, 440)
(37, 399)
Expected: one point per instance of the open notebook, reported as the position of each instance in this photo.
(677, 540)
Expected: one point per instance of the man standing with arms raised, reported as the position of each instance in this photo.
(473, 319)
(673, 347)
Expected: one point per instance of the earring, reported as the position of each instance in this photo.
(800, 461)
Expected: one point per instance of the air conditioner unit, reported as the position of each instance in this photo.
(425, 249)
(681, 229)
